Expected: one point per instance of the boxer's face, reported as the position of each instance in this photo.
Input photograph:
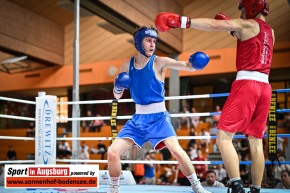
(149, 44)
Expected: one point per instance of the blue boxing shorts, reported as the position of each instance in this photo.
(154, 127)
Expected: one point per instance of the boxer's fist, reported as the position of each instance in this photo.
(122, 81)
(165, 20)
(221, 16)
(199, 60)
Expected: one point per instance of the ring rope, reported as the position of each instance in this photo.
(126, 116)
(172, 115)
(166, 98)
(17, 117)
(17, 100)
(110, 138)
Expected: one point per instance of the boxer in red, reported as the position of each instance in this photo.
(247, 106)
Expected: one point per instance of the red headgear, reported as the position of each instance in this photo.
(254, 7)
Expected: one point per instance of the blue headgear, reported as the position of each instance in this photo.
(140, 35)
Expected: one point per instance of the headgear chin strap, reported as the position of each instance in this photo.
(140, 35)
(254, 7)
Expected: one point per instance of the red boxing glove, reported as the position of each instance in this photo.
(221, 16)
(165, 20)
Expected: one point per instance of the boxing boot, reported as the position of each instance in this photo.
(236, 187)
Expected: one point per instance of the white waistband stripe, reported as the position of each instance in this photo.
(252, 75)
(151, 108)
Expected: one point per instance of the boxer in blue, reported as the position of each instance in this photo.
(144, 76)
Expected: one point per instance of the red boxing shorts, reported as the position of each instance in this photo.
(247, 107)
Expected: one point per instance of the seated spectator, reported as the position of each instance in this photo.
(2, 173)
(166, 173)
(244, 148)
(11, 153)
(191, 133)
(193, 151)
(200, 169)
(184, 120)
(64, 150)
(84, 145)
(101, 148)
(179, 177)
(285, 184)
(97, 124)
(279, 168)
(165, 154)
(204, 142)
(216, 118)
(84, 154)
(195, 119)
(31, 130)
(87, 123)
(213, 132)
(221, 173)
(210, 180)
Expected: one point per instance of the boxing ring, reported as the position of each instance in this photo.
(128, 188)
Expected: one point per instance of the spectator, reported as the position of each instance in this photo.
(221, 174)
(125, 166)
(204, 142)
(139, 173)
(279, 168)
(84, 154)
(64, 150)
(200, 169)
(191, 133)
(216, 118)
(180, 178)
(213, 132)
(11, 153)
(244, 169)
(166, 174)
(193, 151)
(165, 154)
(84, 145)
(31, 130)
(195, 119)
(101, 148)
(97, 124)
(149, 169)
(87, 123)
(2, 168)
(244, 148)
(184, 120)
(280, 141)
(210, 180)
(285, 184)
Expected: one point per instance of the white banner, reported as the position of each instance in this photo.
(126, 177)
(45, 130)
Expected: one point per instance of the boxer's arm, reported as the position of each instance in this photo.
(166, 20)
(196, 61)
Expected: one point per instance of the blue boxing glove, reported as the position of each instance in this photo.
(122, 81)
(199, 60)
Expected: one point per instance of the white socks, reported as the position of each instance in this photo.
(192, 178)
(115, 181)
